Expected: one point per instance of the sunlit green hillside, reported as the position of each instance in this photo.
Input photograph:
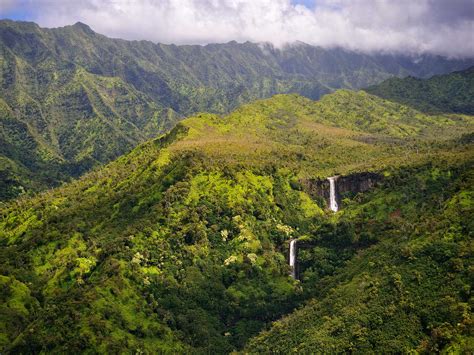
(180, 246)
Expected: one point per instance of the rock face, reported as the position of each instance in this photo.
(345, 186)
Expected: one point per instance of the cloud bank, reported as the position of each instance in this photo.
(443, 27)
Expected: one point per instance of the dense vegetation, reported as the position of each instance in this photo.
(180, 245)
(447, 93)
(71, 99)
(69, 129)
(409, 291)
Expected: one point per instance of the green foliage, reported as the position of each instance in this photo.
(81, 122)
(409, 291)
(450, 93)
(72, 100)
(180, 246)
(17, 307)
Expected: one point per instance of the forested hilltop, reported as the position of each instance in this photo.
(72, 99)
(181, 245)
(449, 93)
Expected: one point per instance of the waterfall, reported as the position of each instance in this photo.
(292, 260)
(332, 194)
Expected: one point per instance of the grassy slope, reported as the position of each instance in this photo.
(180, 245)
(442, 93)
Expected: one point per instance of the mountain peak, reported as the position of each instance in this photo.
(83, 27)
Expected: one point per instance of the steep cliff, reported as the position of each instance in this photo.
(346, 186)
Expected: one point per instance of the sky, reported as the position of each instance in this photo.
(444, 27)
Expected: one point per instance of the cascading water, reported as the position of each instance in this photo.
(332, 194)
(292, 260)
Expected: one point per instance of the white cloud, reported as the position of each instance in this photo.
(7, 5)
(409, 26)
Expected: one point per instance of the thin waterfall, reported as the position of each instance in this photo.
(292, 260)
(332, 194)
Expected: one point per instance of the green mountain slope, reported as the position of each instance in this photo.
(215, 77)
(408, 292)
(76, 99)
(452, 92)
(78, 121)
(180, 245)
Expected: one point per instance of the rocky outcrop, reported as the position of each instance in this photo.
(346, 186)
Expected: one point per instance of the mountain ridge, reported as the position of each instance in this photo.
(441, 93)
(125, 92)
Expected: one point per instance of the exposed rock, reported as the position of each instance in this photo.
(345, 186)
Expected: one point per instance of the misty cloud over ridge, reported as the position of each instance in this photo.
(404, 26)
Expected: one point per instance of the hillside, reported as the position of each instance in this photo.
(72, 99)
(180, 245)
(68, 128)
(409, 291)
(449, 93)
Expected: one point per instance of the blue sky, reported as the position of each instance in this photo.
(14, 13)
(308, 3)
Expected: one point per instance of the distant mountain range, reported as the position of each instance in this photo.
(72, 99)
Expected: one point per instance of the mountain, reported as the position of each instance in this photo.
(452, 92)
(66, 129)
(72, 99)
(215, 77)
(180, 246)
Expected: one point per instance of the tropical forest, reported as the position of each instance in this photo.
(233, 197)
